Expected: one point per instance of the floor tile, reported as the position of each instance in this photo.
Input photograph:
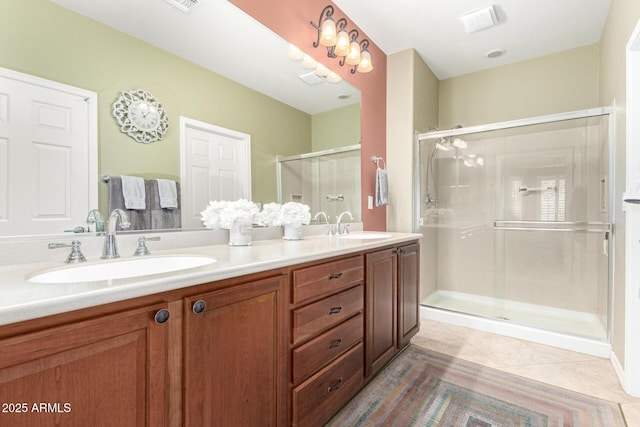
(574, 371)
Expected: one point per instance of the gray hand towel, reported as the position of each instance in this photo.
(140, 219)
(382, 189)
(162, 218)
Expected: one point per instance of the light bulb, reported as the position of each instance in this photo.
(328, 34)
(333, 77)
(342, 45)
(321, 70)
(353, 58)
(309, 62)
(365, 64)
(295, 54)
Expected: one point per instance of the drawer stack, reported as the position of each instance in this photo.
(327, 350)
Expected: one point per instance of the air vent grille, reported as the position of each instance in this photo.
(184, 5)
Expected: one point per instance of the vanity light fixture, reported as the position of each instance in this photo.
(341, 43)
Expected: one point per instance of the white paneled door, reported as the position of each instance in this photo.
(215, 165)
(47, 175)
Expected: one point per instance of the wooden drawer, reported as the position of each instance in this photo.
(315, 318)
(318, 398)
(312, 282)
(310, 357)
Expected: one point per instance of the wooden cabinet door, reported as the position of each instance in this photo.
(408, 293)
(109, 371)
(381, 309)
(235, 356)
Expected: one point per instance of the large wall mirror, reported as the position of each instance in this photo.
(213, 64)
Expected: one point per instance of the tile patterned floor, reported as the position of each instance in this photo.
(582, 373)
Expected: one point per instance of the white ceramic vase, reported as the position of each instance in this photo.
(240, 233)
(292, 232)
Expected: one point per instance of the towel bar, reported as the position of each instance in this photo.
(377, 159)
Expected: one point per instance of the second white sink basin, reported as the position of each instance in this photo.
(120, 269)
(365, 235)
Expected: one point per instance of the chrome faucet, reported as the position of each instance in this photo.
(94, 218)
(110, 249)
(345, 229)
(326, 220)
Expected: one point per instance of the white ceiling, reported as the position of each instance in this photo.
(222, 38)
(218, 36)
(526, 29)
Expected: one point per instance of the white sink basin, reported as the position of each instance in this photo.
(120, 269)
(361, 235)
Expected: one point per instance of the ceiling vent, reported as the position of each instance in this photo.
(311, 78)
(480, 19)
(184, 5)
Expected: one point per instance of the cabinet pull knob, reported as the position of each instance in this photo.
(161, 316)
(199, 307)
(335, 387)
(335, 276)
(334, 344)
(334, 310)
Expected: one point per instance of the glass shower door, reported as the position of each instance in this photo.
(516, 222)
(551, 231)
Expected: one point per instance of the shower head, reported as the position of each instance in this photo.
(443, 145)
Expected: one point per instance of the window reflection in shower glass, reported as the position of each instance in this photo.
(520, 236)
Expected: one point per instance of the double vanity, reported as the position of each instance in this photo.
(273, 334)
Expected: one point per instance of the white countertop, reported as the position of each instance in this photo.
(23, 300)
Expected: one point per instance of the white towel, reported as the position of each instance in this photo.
(168, 194)
(382, 189)
(133, 192)
(632, 195)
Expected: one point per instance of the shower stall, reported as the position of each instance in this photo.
(327, 181)
(516, 218)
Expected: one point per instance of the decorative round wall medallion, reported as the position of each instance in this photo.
(140, 116)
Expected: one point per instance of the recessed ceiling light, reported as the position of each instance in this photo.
(495, 53)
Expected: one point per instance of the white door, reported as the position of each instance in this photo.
(48, 179)
(215, 165)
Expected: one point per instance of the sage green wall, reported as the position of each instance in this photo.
(556, 83)
(336, 128)
(40, 38)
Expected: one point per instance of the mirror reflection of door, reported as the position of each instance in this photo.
(47, 176)
(215, 164)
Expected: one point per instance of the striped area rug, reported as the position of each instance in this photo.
(425, 388)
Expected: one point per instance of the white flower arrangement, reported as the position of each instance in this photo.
(268, 215)
(293, 213)
(222, 214)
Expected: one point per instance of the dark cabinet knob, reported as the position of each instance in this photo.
(199, 307)
(161, 316)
